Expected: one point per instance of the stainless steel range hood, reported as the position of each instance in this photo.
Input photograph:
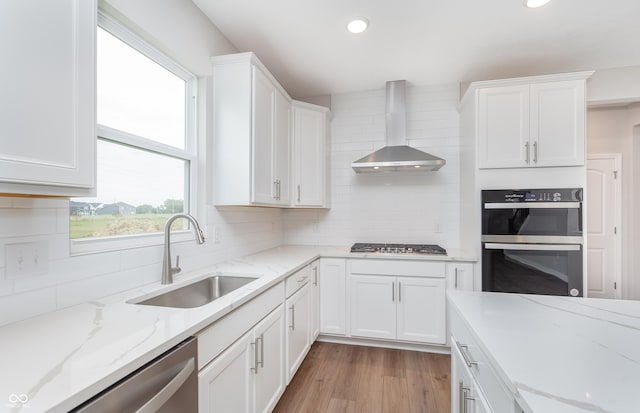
(397, 155)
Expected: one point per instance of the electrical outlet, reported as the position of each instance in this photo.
(28, 258)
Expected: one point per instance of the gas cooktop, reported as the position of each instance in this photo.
(399, 248)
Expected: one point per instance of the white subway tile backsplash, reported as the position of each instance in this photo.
(24, 222)
(27, 304)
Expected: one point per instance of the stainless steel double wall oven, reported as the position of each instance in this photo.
(532, 241)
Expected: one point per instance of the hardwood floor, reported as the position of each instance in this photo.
(338, 378)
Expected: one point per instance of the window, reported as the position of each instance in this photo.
(145, 149)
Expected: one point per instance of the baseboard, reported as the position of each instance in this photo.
(399, 345)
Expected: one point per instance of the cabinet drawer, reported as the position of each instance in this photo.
(297, 280)
(397, 267)
(222, 333)
(497, 394)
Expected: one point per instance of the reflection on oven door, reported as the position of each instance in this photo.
(528, 269)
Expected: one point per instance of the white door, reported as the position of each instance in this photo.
(282, 149)
(373, 306)
(225, 385)
(333, 298)
(603, 228)
(263, 186)
(557, 123)
(314, 319)
(297, 329)
(503, 127)
(48, 114)
(421, 310)
(460, 276)
(269, 369)
(309, 137)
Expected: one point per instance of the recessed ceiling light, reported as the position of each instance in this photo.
(358, 25)
(532, 4)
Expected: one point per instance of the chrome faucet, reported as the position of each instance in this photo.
(167, 269)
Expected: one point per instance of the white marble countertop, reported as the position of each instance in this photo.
(63, 358)
(559, 354)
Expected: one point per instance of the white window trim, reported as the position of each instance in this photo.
(190, 153)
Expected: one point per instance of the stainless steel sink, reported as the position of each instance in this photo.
(199, 293)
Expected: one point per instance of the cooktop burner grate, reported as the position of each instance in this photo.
(399, 248)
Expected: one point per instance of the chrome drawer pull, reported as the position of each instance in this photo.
(463, 350)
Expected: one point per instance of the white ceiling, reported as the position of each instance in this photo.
(306, 46)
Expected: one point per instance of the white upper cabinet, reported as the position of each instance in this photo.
(251, 122)
(309, 155)
(532, 123)
(48, 114)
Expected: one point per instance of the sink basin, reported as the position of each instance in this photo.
(199, 293)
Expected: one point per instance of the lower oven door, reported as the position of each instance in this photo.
(550, 269)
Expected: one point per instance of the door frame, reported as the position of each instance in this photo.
(617, 259)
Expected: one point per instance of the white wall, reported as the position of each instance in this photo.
(615, 130)
(413, 208)
(180, 30)
(615, 85)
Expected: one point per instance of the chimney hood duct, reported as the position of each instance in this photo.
(397, 156)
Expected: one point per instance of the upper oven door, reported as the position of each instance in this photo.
(556, 219)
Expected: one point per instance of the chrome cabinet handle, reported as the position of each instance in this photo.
(292, 326)
(399, 291)
(157, 401)
(315, 275)
(467, 399)
(463, 397)
(261, 338)
(526, 152)
(463, 350)
(535, 152)
(254, 344)
(393, 292)
(298, 193)
(455, 282)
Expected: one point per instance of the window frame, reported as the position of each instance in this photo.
(189, 154)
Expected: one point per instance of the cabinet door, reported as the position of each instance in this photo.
(225, 385)
(460, 276)
(421, 310)
(282, 149)
(263, 185)
(314, 319)
(333, 298)
(309, 159)
(297, 329)
(48, 97)
(373, 306)
(503, 127)
(558, 123)
(270, 356)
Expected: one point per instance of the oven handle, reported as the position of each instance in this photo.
(531, 205)
(533, 247)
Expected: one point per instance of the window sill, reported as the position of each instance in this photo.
(87, 246)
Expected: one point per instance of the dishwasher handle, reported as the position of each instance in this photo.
(157, 401)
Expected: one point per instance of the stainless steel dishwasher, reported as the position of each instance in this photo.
(167, 384)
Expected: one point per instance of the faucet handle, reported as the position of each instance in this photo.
(177, 268)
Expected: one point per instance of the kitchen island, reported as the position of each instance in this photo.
(544, 354)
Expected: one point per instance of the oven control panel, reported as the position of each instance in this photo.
(533, 195)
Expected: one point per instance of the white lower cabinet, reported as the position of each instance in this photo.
(314, 318)
(333, 296)
(269, 360)
(460, 276)
(466, 396)
(400, 308)
(249, 376)
(298, 342)
(475, 385)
